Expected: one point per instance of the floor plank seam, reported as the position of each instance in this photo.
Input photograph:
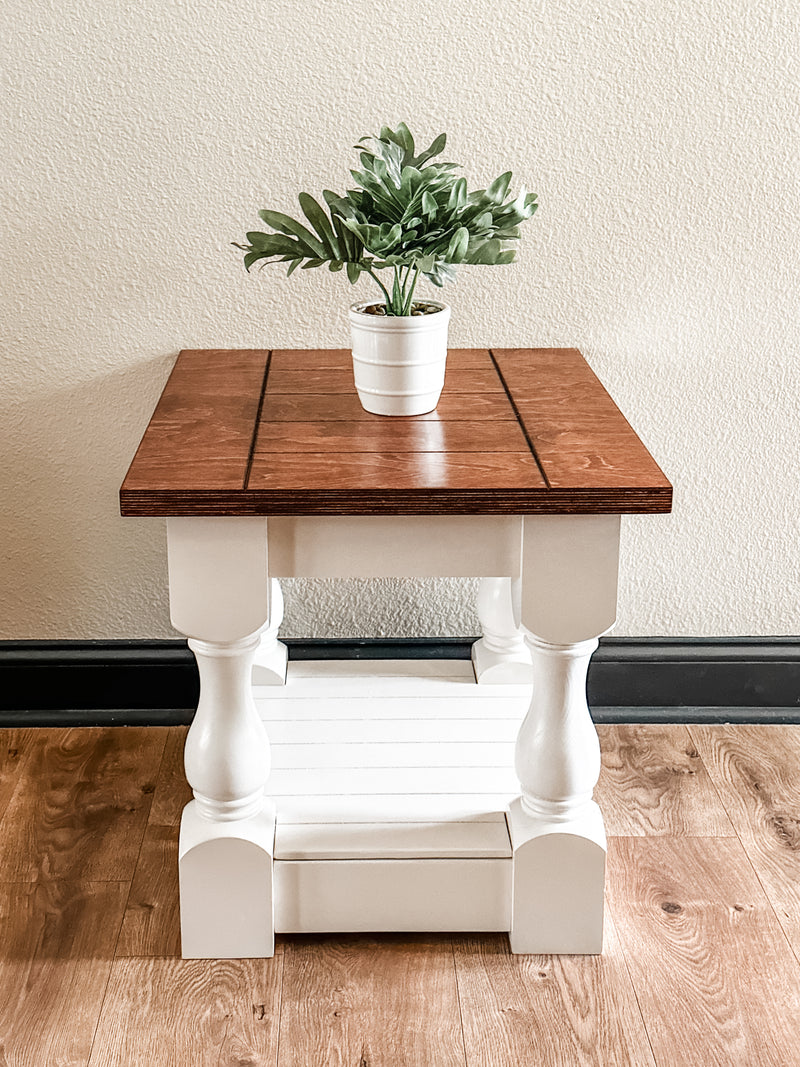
(635, 991)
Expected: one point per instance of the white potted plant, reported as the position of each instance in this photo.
(411, 216)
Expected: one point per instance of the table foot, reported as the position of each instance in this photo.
(557, 883)
(226, 890)
(501, 656)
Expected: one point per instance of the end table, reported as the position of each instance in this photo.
(265, 465)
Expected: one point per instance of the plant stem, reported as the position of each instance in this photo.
(383, 288)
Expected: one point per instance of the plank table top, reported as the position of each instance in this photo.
(516, 431)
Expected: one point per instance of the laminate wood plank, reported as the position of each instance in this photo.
(581, 437)
(756, 770)
(56, 948)
(151, 925)
(412, 435)
(548, 1011)
(15, 746)
(317, 471)
(378, 1003)
(81, 805)
(203, 1013)
(715, 979)
(202, 428)
(286, 407)
(653, 781)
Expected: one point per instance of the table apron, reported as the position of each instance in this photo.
(408, 546)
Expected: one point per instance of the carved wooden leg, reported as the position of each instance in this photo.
(269, 666)
(501, 655)
(557, 834)
(219, 597)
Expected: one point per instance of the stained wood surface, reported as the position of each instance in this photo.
(695, 964)
(517, 431)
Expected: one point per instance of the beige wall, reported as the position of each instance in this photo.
(661, 137)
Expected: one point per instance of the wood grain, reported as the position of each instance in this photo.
(202, 428)
(756, 770)
(203, 1013)
(388, 1002)
(715, 979)
(81, 805)
(15, 748)
(653, 781)
(196, 454)
(548, 1011)
(374, 471)
(56, 948)
(151, 925)
(414, 435)
(581, 437)
(300, 407)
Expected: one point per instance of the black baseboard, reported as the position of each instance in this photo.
(61, 683)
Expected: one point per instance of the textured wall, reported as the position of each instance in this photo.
(661, 137)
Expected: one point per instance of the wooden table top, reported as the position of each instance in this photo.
(517, 431)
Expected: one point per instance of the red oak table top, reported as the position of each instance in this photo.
(517, 431)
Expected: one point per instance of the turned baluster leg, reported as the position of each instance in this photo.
(568, 600)
(219, 595)
(500, 656)
(269, 666)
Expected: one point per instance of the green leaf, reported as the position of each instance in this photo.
(499, 187)
(252, 257)
(319, 220)
(353, 272)
(283, 224)
(457, 248)
(429, 205)
(295, 264)
(435, 149)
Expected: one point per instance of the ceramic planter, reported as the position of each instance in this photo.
(399, 360)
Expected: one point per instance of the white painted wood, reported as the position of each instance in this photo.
(359, 755)
(319, 896)
(568, 600)
(389, 732)
(225, 872)
(335, 808)
(391, 674)
(420, 708)
(557, 756)
(569, 576)
(219, 597)
(378, 546)
(558, 882)
(398, 781)
(218, 577)
(500, 656)
(272, 656)
(473, 839)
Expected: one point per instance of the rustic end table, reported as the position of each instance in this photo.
(265, 465)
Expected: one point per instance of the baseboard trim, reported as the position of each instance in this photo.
(642, 679)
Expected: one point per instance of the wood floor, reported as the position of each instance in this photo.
(700, 964)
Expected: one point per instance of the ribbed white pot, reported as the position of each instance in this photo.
(399, 360)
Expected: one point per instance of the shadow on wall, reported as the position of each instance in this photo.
(72, 567)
